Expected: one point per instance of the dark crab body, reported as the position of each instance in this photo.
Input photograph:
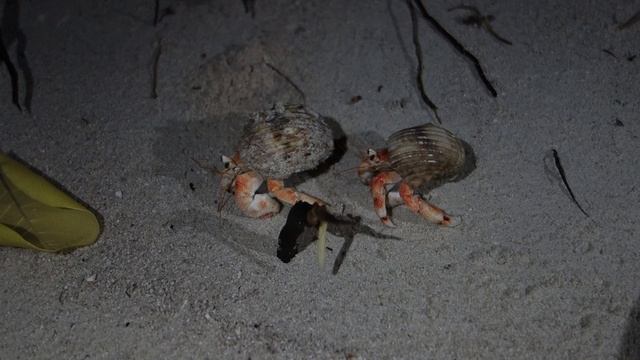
(417, 158)
(276, 144)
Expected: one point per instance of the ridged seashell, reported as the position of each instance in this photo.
(426, 155)
(284, 141)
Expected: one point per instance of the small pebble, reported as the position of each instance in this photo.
(119, 194)
(90, 278)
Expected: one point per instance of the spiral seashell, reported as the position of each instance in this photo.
(426, 155)
(284, 141)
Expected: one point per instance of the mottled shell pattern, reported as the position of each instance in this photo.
(426, 155)
(285, 140)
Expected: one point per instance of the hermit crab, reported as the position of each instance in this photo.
(416, 159)
(277, 143)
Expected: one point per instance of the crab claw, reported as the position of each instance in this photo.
(252, 204)
(430, 212)
(290, 195)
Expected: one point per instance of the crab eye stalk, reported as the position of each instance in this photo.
(371, 154)
(227, 162)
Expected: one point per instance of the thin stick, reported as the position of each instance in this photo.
(564, 180)
(610, 53)
(458, 47)
(156, 13)
(284, 76)
(23, 64)
(632, 20)
(13, 74)
(154, 70)
(11, 25)
(250, 7)
(480, 20)
(418, 49)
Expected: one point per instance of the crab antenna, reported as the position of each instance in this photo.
(348, 169)
(214, 170)
(223, 199)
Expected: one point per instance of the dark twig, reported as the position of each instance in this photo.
(458, 47)
(558, 165)
(607, 51)
(632, 20)
(23, 64)
(154, 69)
(284, 76)
(418, 49)
(12, 32)
(250, 7)
(479, 20)
(156, 13)
(13, 74)
(11, 28)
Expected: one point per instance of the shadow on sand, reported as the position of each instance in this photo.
(630, 344)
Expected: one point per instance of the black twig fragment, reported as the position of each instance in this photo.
(250, 7)
(556, 159)
(159, 15)
(154, 68)
(479, 20)
(456, 44)
(418, 49)
(355, 99)
(13, 74)
(607, 51)
(23, 64)
(12, 32)
(287, 79)
(156, 13)
(632, 20)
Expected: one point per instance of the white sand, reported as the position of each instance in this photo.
(526, 275)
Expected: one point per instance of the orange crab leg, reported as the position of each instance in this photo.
(379, 193)
(290, 195)
(418, 205)
(252, 204)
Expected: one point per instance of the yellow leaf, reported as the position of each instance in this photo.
(34, 214)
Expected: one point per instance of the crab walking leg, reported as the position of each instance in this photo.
(252, 204)
(290, 195)
(379, 193)
(418, 205)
